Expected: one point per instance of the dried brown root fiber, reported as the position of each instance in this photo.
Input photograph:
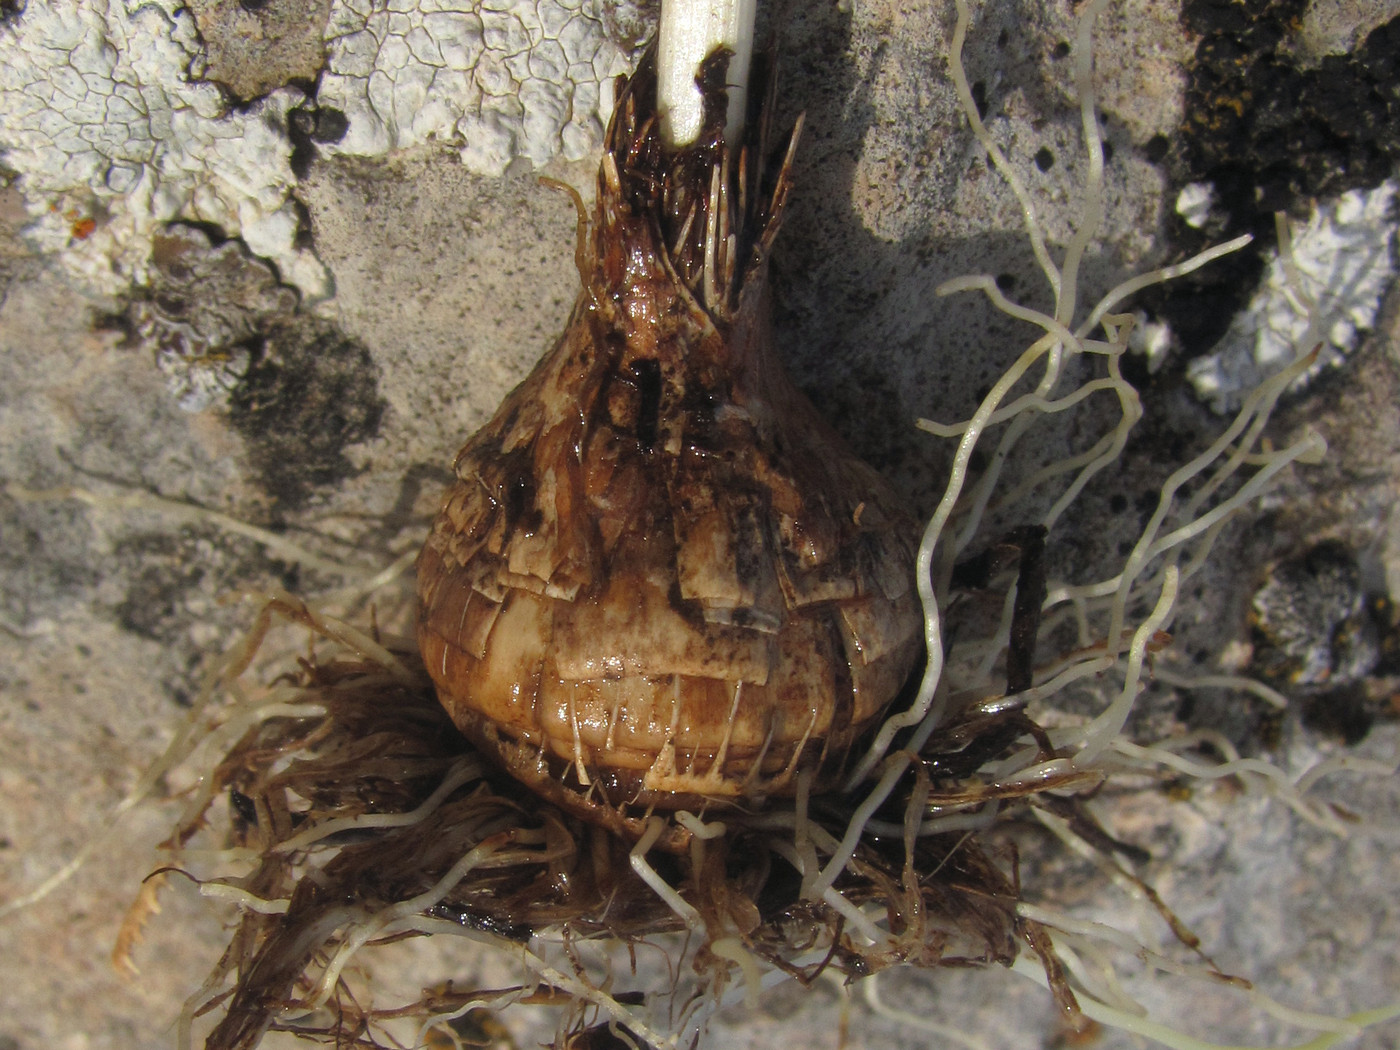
(364, 816)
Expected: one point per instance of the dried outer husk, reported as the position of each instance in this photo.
(661, 579)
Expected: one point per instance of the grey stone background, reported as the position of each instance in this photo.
(447, 286)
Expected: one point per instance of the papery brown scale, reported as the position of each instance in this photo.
(661, 580)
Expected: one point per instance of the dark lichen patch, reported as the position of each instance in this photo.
(174, 578)
(629, 23)
(47, 562)
(169, 588)
(331, 125)
(1269, 131)
(153, 606)
(171, 579)
(310, 392)
(207, 302)
(1313, 623)
(228, 334)
(1269, 134)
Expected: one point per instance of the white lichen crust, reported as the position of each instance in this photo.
(501, 79)
(1341, 264)
(112, 134)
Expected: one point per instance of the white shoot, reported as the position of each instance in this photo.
(690, 32)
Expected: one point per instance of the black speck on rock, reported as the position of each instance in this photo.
(331, 125)
(1156, 148)
(979, 98)
(309, 125)
(311, 392)
(1343, 713)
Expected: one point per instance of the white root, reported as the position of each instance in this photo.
(464, 772)
(638, 859)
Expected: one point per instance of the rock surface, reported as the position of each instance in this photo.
(443, 288)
